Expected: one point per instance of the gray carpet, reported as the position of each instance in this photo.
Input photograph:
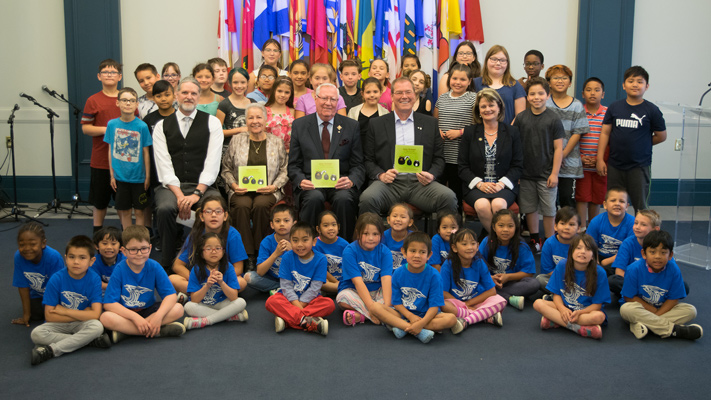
(250, 360)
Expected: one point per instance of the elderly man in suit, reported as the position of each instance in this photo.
(404, 127)
(327, 135)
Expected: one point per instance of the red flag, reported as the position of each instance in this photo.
(247, 29)
(316, 27)
(473, 26)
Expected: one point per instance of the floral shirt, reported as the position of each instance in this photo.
(279, 125)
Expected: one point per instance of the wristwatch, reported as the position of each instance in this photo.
(198, 193)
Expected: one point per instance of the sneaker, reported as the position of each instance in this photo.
(535, 245)
(41, 354)
(639, 330)
(102, 342)
(548, 324)
(459, 326)
(315, 324)
(516, 302)
(272, 292)
(173, 329)
(591, 331)
(691, 332)
(425, 335)
(182, 298)
(194, 323)
(496, 320)
(243, 316)
(399, 333)
(279, 324)
(547, 297)
(117, 336)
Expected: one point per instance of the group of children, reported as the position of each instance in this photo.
(450, 281)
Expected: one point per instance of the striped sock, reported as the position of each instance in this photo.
(482, 313)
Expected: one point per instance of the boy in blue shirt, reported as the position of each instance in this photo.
(631, 127)
(630, 250)
(417, 295)
(652, 290)
(611, 228)
(129, 167)
(265, 277)
(108, 243)
(299, 304)
(129, 301)
(555, 249)
(72, 305)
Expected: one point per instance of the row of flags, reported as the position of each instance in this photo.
(330, 31)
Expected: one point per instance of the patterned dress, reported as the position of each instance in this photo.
(279, 125)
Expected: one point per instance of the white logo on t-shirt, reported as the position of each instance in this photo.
(275, 266)
(134, 292)
(466, 293)
(397, 259)
(409, 296)
(75, 299)
(609, 244)
(333, 263)
(654, 294)
(36, 281)
(557, 259)
(209, 298)
(301, 281)
(369, 271)
(572, 297)
(501, 264)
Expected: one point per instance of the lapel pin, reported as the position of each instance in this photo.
(339, 127)
(480, 139)
(419, 128)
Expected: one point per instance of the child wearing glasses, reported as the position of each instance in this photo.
(129, 170)
(129, 303)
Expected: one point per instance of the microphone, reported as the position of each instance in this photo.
(28, 97)
(49, 92)
(17, 107)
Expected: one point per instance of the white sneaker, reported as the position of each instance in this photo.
(279, 324)
(459, 326)
(639, 330)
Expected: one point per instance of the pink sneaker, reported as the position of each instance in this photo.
(242, 316)
(194, 323)
(548, 324)
(591, 331)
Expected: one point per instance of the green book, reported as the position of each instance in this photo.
(324, 173)
(408, 158)
(252, 177)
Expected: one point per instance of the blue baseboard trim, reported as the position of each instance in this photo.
(38, 189)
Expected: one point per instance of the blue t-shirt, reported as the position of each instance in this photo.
(135, 290)
(631, 135)
(508, 94)
(440, 250)
(334, 254)
(552, 253)
(630, 251)
(418, 292)
(126, 141)
(35, 276)
(369, 265)
(608, 237)
(395, 247)
(502, 259)
(234, 248)
(477, 280)
(577, 298)
(654, 288)
(266, 248)
(302, 274)
(75, 294)
(214, 294)
(104, 271)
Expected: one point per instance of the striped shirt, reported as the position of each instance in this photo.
(588, 142)
(574, 123)
(454, 113)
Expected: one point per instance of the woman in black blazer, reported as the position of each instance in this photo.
(490, 158)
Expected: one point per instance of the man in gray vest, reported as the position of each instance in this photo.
(188, 148)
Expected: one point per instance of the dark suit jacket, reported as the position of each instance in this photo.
(345, 146)
(379, 147)
(472, 156)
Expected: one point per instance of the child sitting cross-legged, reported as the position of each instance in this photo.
(417, 295)
(298, 303)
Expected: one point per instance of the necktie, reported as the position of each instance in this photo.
(325, 140)
(186, 125)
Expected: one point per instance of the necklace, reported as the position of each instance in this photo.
(256, 148)
(491, 134)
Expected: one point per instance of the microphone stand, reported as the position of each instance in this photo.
(15, 210)
(702, 96)
(76, 199)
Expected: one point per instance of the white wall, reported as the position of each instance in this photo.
(33, 54)
(671, 43)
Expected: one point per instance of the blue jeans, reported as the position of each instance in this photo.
(262, 283)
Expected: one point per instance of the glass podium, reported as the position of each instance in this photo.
(692, 233)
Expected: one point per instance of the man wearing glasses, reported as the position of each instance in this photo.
(327, 135)
(188, 148)
(404, 127)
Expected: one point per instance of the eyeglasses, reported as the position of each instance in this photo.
(465, 53)
(109, 73)
(531, 64)
(403, 92)
(498, 60)
(209, 249)
(127, 101)
(142, 250)
(560, 78)
(271, 51)
(170, 76)
(267, 77)
(213, 212)
(328, 99)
